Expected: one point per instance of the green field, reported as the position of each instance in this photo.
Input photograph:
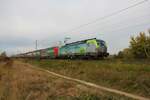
(131, 76)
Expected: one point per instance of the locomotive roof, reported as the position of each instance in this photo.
(82, 41)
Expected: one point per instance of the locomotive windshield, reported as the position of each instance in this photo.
(101, 43)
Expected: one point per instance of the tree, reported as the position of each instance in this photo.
(140, 46)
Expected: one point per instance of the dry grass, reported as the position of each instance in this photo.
(131, 76)
(20, 82)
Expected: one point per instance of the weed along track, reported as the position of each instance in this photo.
(90, 84)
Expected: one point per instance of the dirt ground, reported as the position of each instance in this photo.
(20, 82)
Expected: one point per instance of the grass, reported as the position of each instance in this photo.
(20, 82)
(131, 76)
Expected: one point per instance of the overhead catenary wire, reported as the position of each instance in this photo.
(45, 43)
(107, 16)
(122, 28)
(107, 26)
(137, 25)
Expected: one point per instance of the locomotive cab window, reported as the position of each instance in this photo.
(101, 43)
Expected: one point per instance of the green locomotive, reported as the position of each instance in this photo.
(84, 49)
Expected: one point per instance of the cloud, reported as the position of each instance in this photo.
(48, 21)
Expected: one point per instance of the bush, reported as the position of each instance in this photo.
(125, 54)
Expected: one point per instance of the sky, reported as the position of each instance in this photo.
(22, 22)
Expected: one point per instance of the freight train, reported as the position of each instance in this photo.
(89, 48)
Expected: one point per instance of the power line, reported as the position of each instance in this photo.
(118, 24)
(126, 27)
(96, 27)
(109, 15)
(137, 25)
(147, 23)
(45, 43)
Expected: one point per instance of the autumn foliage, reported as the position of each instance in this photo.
(139, 47)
